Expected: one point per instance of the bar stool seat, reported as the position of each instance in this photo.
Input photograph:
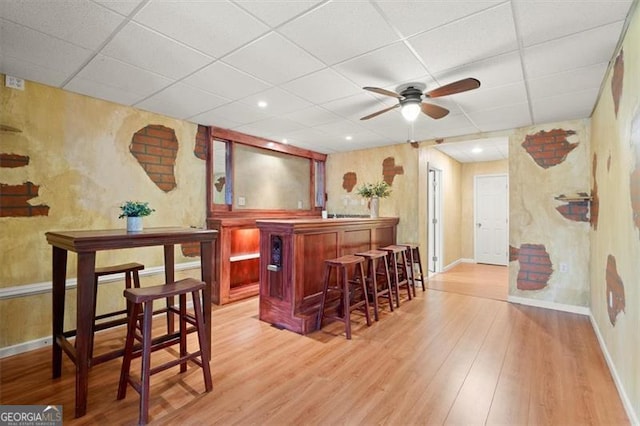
(414, 259)
(398, 262)
(142, 300)
(372, 257)
(343, 288)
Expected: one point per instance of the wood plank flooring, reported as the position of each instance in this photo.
(442, 358)
(473, 279)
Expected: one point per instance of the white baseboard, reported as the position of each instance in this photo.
(456, 262)
(582, 310)
(626, 402)
(45, 287)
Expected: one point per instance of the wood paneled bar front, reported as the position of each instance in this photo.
(292, 255)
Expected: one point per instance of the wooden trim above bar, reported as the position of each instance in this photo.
(243, 138)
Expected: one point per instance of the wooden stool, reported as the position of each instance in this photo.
(414, 258)
(342, 286)
(145, 296)
(131, 278)
(372, 272)
(399, 264)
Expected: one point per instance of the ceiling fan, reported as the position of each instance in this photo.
(410, 98)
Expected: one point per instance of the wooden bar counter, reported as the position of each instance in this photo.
(292, 254)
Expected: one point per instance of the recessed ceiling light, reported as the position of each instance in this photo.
(285, 141)
(270, 144)
(348, 138)
(476, 150)
(262, 104)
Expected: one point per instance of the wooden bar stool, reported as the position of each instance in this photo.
(343, 284)
(131, 279)
(142, 300)
(398, 262)
(414, 258)
(372, 257)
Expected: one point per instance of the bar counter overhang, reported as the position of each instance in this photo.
(292, 255)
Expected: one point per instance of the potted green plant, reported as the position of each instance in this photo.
(374, 191)
(134, 211)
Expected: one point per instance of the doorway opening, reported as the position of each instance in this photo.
(434, 220)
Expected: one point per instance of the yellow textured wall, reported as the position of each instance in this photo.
(367, 164)
(467, 226)
(452, 204)
(79, 155)
(616, 234)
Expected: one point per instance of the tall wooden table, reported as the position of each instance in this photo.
(86, 244)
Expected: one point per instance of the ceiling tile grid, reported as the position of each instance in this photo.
(211, 62)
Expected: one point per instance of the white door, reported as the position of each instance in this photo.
(434, 225)
(491, 219)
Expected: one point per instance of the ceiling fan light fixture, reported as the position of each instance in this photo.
(410, 110)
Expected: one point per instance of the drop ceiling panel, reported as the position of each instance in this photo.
(148, 49)
(483, 99)
(542, 21)
(564, 107)
(80, 22)
(357, 106)
(100, 90)
(28, 46)
(33, 72)
(121, 76)
(576, 80)
(388, 66)
(274, 59)
(312, 116)
(226, 81)
(324, 31)
(501, 118)
(274, 12)
(181, 101)
(215, 27)
(274, 128)
(235, 113)
(490, 149)
(589, 48)
(412, 17)
(123, 7)
(278, 101)
(468, 40)
(322, 86)
(496, 71)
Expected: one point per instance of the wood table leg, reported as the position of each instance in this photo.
(169, 277)
(59, 278)
(84, 325)
(206, 268)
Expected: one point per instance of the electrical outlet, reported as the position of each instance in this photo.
(299, 204)
(242, 201)
(564, 268)
(14, 82)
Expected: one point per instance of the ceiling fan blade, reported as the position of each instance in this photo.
(453, 88)
(375, 114)
(383, 92)
(433, 111)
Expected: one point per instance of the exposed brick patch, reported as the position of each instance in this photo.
(616, 81)
(535, 267)
(550, 148)
(219, 184)
(202, 137)
(595, 200)
(615, 290)
(349, 181)
(190, 249)
(14, 201)
(13, 160)
(513, 253)
(390, 170)
(577, 211)
(156, 147)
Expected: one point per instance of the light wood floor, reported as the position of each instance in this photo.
(473, 279)
(443, 358)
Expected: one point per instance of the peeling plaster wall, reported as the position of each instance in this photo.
(79, 155)
(616, 238)
(535, 220)
(368, 167)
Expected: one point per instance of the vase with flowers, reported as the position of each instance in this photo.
(134, 211)
(374, 191)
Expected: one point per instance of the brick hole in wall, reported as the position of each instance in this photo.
(156, 148)
(535, 267)
(550, 148)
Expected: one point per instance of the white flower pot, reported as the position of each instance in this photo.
(134, 224)
(375, 207)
